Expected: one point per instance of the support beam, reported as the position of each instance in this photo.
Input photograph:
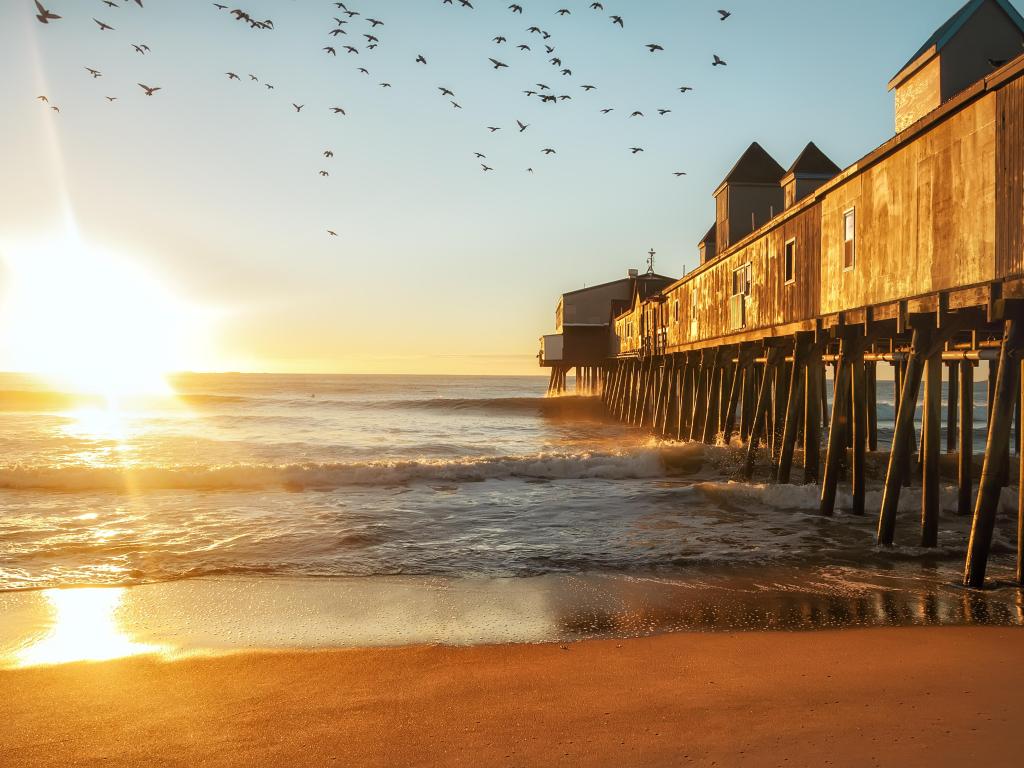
(1003, 396)
(761, 410)
(930, 446)
(871, 380)
(838, 427)
(965, 440)
(859, 426)
(812, 414)
(902, 436)
(711, 412)
(794, 404)
(952, 403)
(700, 398)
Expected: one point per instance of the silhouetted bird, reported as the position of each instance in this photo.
(634, 150)
(684, 88)
(522, 126)
(45, 16)
(103, 25)
(652, 47)
(617, 20)
(328, 153)
(497, 64)
(548, 151)
(718, 62)
(298, 107)
(149, 90)
(94, 72)
(420, 59)
(724, 14)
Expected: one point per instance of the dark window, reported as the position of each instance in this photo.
(790, 259)
(849, 239)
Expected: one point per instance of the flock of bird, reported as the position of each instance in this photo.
(369, 39)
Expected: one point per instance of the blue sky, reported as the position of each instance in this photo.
(213, 184)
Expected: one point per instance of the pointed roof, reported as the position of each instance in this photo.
(813, 162)
(755, 166)
(710, 236)
(953, 25)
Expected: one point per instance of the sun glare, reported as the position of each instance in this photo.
(84, 628)
(91, 322)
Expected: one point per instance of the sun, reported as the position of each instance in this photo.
(91, 321)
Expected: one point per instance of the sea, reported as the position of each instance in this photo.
(440, 487)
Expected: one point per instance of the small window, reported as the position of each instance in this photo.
(677, 311)
(741, 279)
(790, 261)
(849, 239)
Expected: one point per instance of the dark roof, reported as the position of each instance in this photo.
(813, 161)
(712, 233)
(955, 23)
(755, 166)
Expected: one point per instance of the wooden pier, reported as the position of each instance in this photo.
(912, 258)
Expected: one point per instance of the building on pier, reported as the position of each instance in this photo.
(913, 256)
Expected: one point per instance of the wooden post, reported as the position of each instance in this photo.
(747, 402)
(990, 487)
(871, 392)
(952, 404)
(859, 426)
(794, 403)
(711, 414)
(780, 402)
(812, 415)
(931, 428)
(823, 391)
(661, 427)
(743, 357)
(684, 392)
(700, 400)
(1020, 492)
(902, 435)
(761, 410)
(965, 441)
(657, 388)
(838, 428)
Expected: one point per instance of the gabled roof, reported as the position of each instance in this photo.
(813, 162)
(711, 234)
(953, 25)
(755, 166)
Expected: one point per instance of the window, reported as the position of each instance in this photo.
(676, 316)
(849, 239)
(790, 258)
(741, 279)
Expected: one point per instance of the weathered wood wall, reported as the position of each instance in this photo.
(1010, 180)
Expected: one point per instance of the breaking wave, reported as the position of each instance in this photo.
(645, 463)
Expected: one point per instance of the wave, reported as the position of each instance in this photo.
(548, 405)
(644, 463)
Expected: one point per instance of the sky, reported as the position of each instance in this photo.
(191, 226)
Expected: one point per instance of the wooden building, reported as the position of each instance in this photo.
(913, 256)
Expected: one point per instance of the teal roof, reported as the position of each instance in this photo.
(955, 23)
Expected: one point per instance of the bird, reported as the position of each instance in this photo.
(634, 150)
(143, 49)
(420, 59)
(679, 173)
(110, 98)
(522, 126)
(684, 88)
(254, 78)
(524, 47)
(486, 167)
(232, 76)
(718, 62)
(499, 40)
(493, 128)
(480, 155)
(637, 113)
(724, 14)
(149, 90)
(515, 8)
(298, 107)
(375, 22)
(103, 25)
(45, 16)
(330, 50)
(328, 153)
(94, 72)
(497, 64)
(332, 233)
(597, 6)
(588, 87)
(664, 112)
(606, 110)
(55, 109)
(563, 12)
(652, 47)
(268, 86)
(456, 105)
(338, 111)
(529, 170)
(548, 151)
(324, 173)
(42, 98)
(617, 20)
(385, 85)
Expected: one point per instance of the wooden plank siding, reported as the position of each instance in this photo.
(925, 216)
(1010, 180)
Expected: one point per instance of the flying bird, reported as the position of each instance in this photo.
(330, 50)
(493, 128)
(724, 14)
(338, 111)
(444, 91)
(298, 107)
(497, 64)
(103, 25)
(718, 62)
(332, 233)
(324, 173)
(634, 150)
(149, 91)
(42, 98)
(588, 87)
(679, 173)
(637, 113)
(515, 8)
(94, 72)
(420, 59)
(45, 16)
(328, 153)
(652, 47)
(664, 112)
(232, 76)
(522, 126)
(548, 151)
(617, 20)
(684, 88)
(486, 167)
(110, 98)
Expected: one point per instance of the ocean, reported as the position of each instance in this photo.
(267, 479)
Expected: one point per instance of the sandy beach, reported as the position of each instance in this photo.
(931, 696)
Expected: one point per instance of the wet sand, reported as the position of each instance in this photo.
(901, 696)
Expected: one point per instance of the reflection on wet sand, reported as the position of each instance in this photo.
(83, 625)
(223, 615)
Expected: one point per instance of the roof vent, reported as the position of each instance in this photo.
(633, 273)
